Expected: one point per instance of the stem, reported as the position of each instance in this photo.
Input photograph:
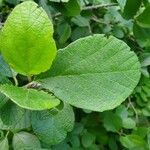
(99, 6)
(29, 78)
(15, 80)
(7, 133)
(136, 113)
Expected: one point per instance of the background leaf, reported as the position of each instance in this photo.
(4, 144)
(25, 140)
(131, 8)
(51, 126)
(14, 118)
(143, 19)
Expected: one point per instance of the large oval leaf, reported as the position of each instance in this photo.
(51, 126)
(29, 98)
(27, 40)
(94, 73)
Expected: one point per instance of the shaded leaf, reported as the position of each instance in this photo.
(87, 139)
(142, 35)
(112, 122)
(4, 144)
(4, 68)
(144, 19)
(131, 8)
(128, 123)
(51, 127)
(24, 140)
(132, 141)
(14, 118)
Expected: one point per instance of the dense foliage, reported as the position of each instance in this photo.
(88, 80)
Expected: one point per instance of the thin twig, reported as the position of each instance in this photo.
(15, 80)
(99, 6)
(94, 18)
(136, 113)
(29, 79)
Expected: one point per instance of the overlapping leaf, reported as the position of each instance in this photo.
(51, 127)
(27, 42)
(94, 73)
(29, 98)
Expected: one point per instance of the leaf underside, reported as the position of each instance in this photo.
(29, 98)
(95, 73)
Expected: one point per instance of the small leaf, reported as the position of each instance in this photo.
(59, 1)
(131, 8)
(112, 122)
(92, 73)
(51, 127)
(4, 144)
(88, 139)
(64, 32)
(142, 35)
(132, 141)
(14, 118)
(24, 140)
(144, 19)
(27, 39)
(80, 21)
(29, 98)
(128, 123)
(72, 8)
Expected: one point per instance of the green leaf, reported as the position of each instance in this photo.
(24, 140)
(140, 131)
(87, 139)
(59, 1)
(4, 68)
(72, 8)
(132, 141)
(143, 19)
(122, 3)
(142, 35)
(3, 100)
(131, 8)
(112, 122)
(29, 98)
(92, 73)
(128, 123)
(4, 144)
(27, 39)
(14, 118)
(51, 126)
(80, 32)
(64, 32)
(80, 21)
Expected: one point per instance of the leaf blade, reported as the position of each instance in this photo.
(92, 73)
(27, 39)
(52, 128)
(29, 98)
